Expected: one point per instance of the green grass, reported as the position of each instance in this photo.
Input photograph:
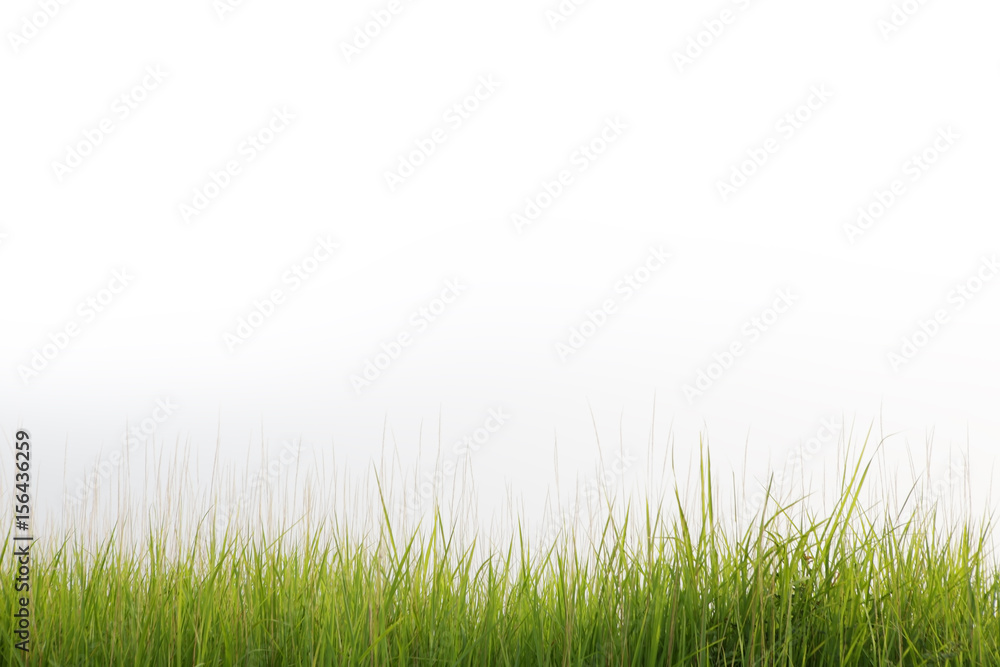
(664, 583)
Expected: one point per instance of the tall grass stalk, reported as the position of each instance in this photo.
(665, 580)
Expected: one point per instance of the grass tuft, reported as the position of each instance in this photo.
(664, 583)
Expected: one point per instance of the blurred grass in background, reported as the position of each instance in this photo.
(168, 579)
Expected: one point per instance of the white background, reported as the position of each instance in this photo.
(688, 126)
